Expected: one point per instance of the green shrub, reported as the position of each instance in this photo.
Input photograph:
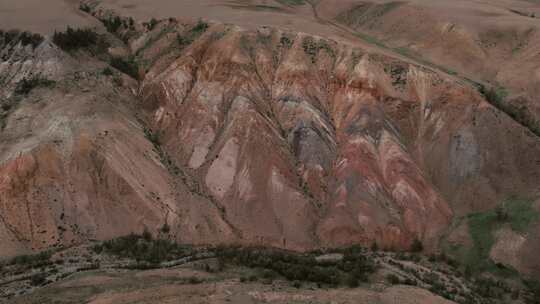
(285, 42)
(502, 213)
(28, 38)
(151, 24)
(392, 279)
(127, 66)
(194, 280)
(38, 279)
(493, 95)
(16, 36)
(292, 2)
(196, 31)
(26, 85)
(112, 24)
(143, 248)
(312, 48)
(85, 8)
(42, 258)
(351, 281)
(73, 39)
(107, 71)
(153, 137)
(417, 246)
(165, 228)
(200, 27)
(295, 267)
(482, 225)
(146, 235)
(534, 289)
(9, 36)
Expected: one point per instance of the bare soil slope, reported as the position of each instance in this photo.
(262, 135)
(253, 136)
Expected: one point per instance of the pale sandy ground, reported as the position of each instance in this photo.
(167, 286)
(46, 16)
(42, 16)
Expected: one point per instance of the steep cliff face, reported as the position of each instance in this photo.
(256, 137)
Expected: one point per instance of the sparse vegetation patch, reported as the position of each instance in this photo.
(150, 25)
(144, 249)
(518, 214)
(292, 2)
(74, 39)
(126, 65)
(26, 85)
(286, 42)
(16, 36)
(355, 266)
(195, 32)
(312, 48)
(112, 24)
(515, 109)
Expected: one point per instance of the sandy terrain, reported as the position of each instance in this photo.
(172, 286)
(36, 16)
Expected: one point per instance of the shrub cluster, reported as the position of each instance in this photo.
(193, 34)
(38, 279)
(85, 8)
(143, 248)
(312, 48)
(25, 38)
(112, 24)
(73, 39)
(150, 25)
(286, 42)
(26, 85)
(492, 95)
(353, 268)
(34, 260)
(417, 246)
(128, 66)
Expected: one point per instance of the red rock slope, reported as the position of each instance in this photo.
(255, 137)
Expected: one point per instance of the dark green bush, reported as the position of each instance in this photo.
(151, 24)
(26, 85)
(351, 281)
(392, 279)
(85, 8)
(295, 267)
(36, 260)
(73, 39)
(194, 280)
(165, 228)
(27, 38)
(38, 279)
(16, 36)
(200, 27)
(112, 24)
(127, 66)
(285, 42)
(143, 248)
(193, 34)
(312, 48)
(9, 36)
(146, 235)
(417, 246)
(493, 95)
(107, 71)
